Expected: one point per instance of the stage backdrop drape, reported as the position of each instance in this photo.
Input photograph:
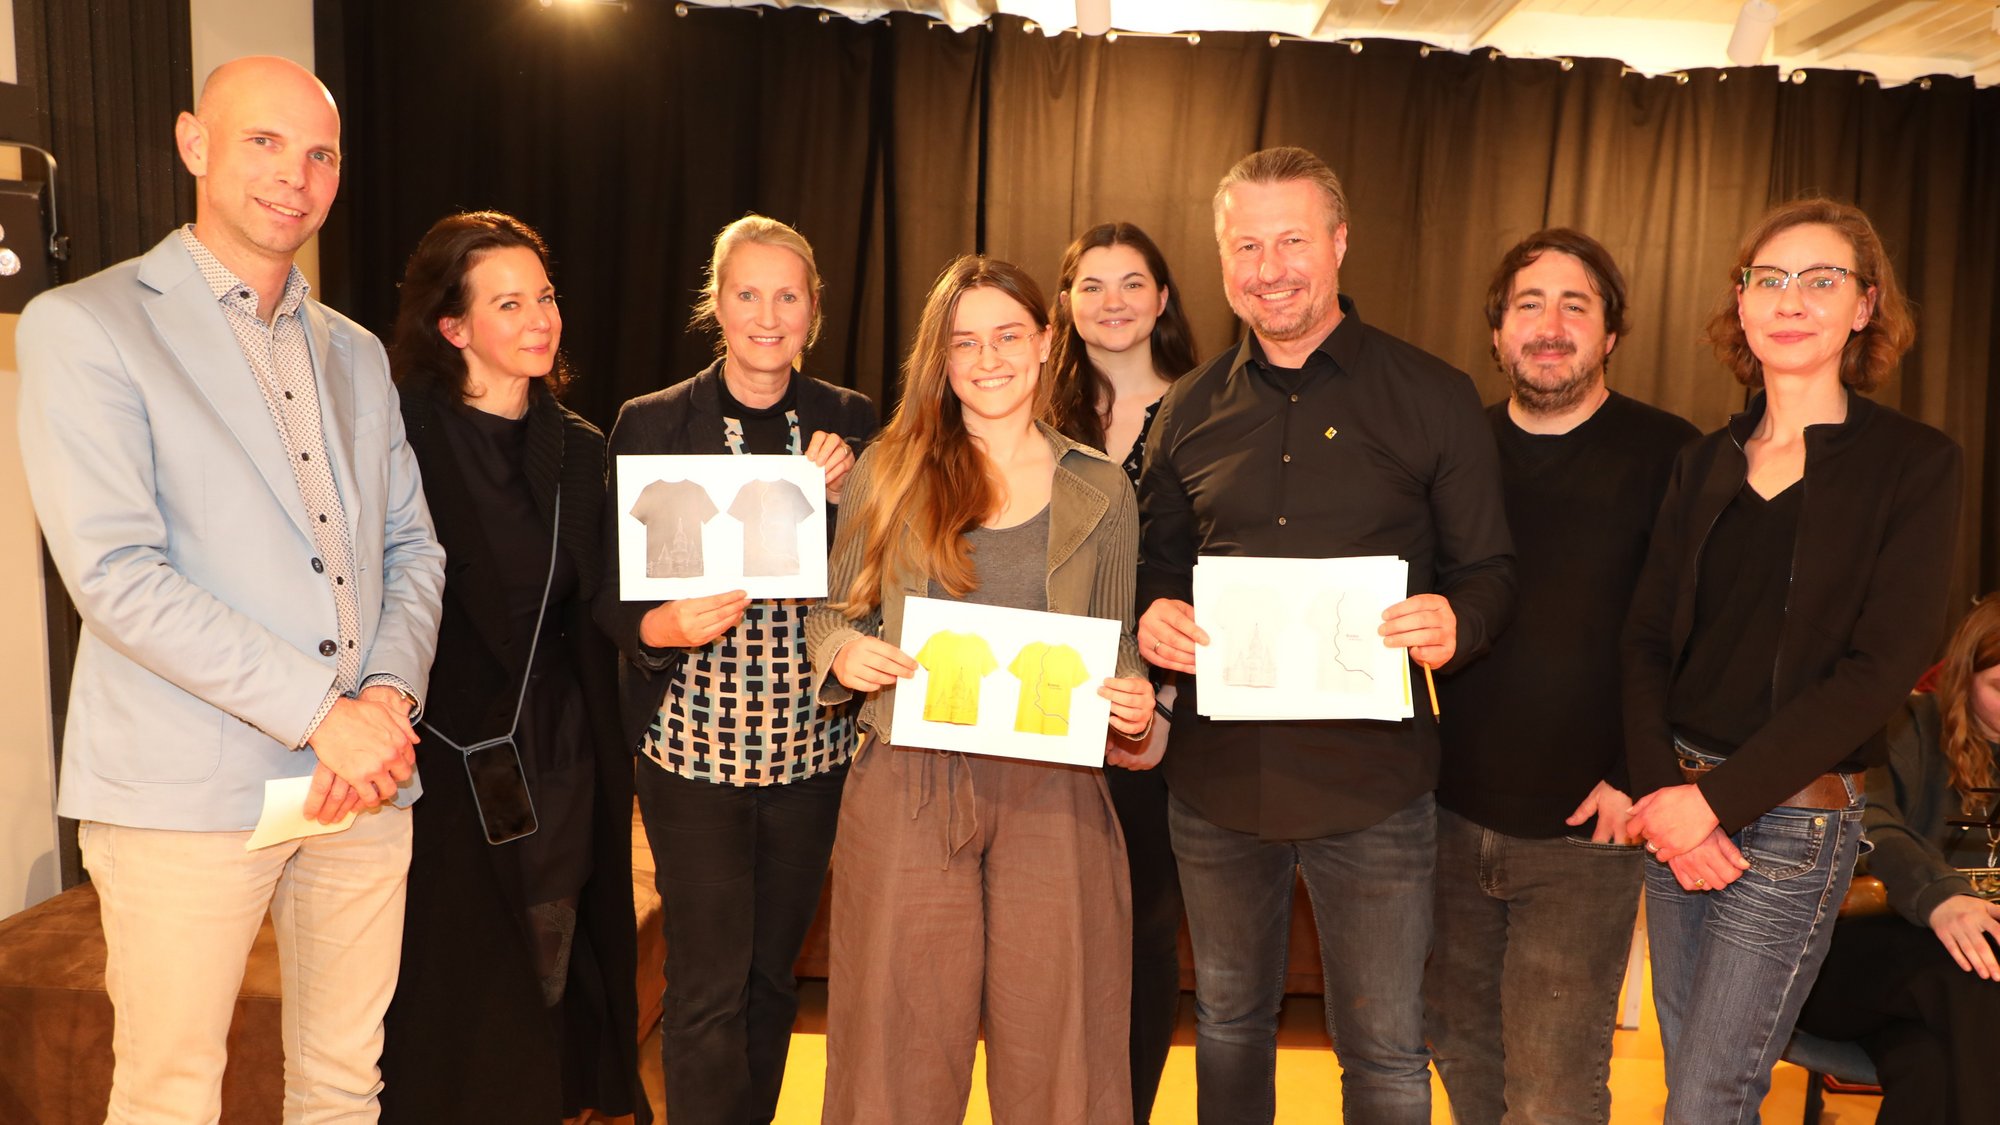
(629, 137)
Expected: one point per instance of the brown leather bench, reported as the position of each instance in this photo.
(55, 1019)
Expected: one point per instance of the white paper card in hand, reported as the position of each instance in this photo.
(1297, 638)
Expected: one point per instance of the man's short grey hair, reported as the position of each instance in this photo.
(1284, 165)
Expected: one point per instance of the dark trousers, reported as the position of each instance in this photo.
(1927, 1023)
(1521, 993)
(739, 870)
(1140, 796)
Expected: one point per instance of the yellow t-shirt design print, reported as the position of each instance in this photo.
(1048, 674)
(956, 662)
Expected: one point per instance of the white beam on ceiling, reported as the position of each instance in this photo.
(1856, 34)
(1805, 28)
(1326, 25)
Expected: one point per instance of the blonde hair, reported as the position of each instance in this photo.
(930, 484)
(764, 231)
(1283, 165)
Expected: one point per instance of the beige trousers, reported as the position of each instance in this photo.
(180, 911)
(974, 892)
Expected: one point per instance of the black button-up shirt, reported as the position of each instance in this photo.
(1372, 448)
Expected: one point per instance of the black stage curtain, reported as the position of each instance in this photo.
(630, 136)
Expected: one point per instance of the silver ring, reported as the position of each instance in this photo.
(1654, 848)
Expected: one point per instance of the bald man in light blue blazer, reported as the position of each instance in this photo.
(219, 468)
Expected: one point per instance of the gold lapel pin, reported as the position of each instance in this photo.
(1330, 431)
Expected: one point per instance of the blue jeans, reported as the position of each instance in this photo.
(1732, 967)
(1521, 995)
(1371, 898)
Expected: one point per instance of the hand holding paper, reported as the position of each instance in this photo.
(284, 816)
(1424, 624)
(871, 664)
(1168, 635)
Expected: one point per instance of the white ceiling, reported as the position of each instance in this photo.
(1896, 40)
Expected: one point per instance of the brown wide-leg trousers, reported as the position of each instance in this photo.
(969, 892)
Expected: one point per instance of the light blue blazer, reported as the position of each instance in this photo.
(170, 509)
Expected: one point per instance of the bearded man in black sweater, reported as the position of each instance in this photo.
(1537, 884)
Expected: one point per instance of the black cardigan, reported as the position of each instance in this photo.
(467, 1036)
(1862, 617)
(682, 419)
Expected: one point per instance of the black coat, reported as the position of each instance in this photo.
(1863, 612)
(681, 419)
(468, 1038)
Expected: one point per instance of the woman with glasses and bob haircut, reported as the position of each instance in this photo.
(1793, 592)
(973, 891)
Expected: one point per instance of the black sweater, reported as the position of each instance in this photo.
(1532, 726)
(1863, 613)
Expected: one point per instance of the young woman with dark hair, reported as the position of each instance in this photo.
(1122, 338)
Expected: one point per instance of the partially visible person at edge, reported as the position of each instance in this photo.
(975, 893)
(740, 769)
(1917, 987)
(221, 477)
(1121, 339)
(1793, 592)
(1537, 885)
(531, 940)
(1316, 436)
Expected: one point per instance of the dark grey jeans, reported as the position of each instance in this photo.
(1521, 994)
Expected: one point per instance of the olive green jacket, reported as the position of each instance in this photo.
(1092, 566)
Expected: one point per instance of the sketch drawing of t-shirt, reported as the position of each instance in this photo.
(956, 662)
(673, 512)
(770, 512)
(1249, 621)
(1048, 674)
(1348, 643)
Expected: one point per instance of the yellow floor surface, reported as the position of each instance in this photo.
(1308, 1077)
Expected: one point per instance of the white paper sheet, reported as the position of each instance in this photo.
(1296, 638)
(702, 524)
(1013, 683)
(284, 817)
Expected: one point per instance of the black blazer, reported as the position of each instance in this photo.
(681, 419)
(1863, 614)
(467, 958)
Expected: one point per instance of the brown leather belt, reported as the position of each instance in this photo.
(1827, 791)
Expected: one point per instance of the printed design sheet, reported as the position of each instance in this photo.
(1013, 683)
(1296, 638)
(694, 525)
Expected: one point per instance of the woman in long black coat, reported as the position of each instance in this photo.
(515, 1001)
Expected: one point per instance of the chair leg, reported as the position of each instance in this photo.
(1815, 1097)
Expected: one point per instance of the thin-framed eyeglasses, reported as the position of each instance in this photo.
(965, 352)
(1814, 282)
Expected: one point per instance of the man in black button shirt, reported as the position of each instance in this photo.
(1535, 902)
(1317, 436)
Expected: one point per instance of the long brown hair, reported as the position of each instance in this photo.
(1973, 649)
(931, 483)
(1080, 388)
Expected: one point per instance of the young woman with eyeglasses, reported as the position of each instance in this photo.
(971, 892)
(1793, 593)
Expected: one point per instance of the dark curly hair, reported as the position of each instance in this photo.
(1872, 352)
(433, 287)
